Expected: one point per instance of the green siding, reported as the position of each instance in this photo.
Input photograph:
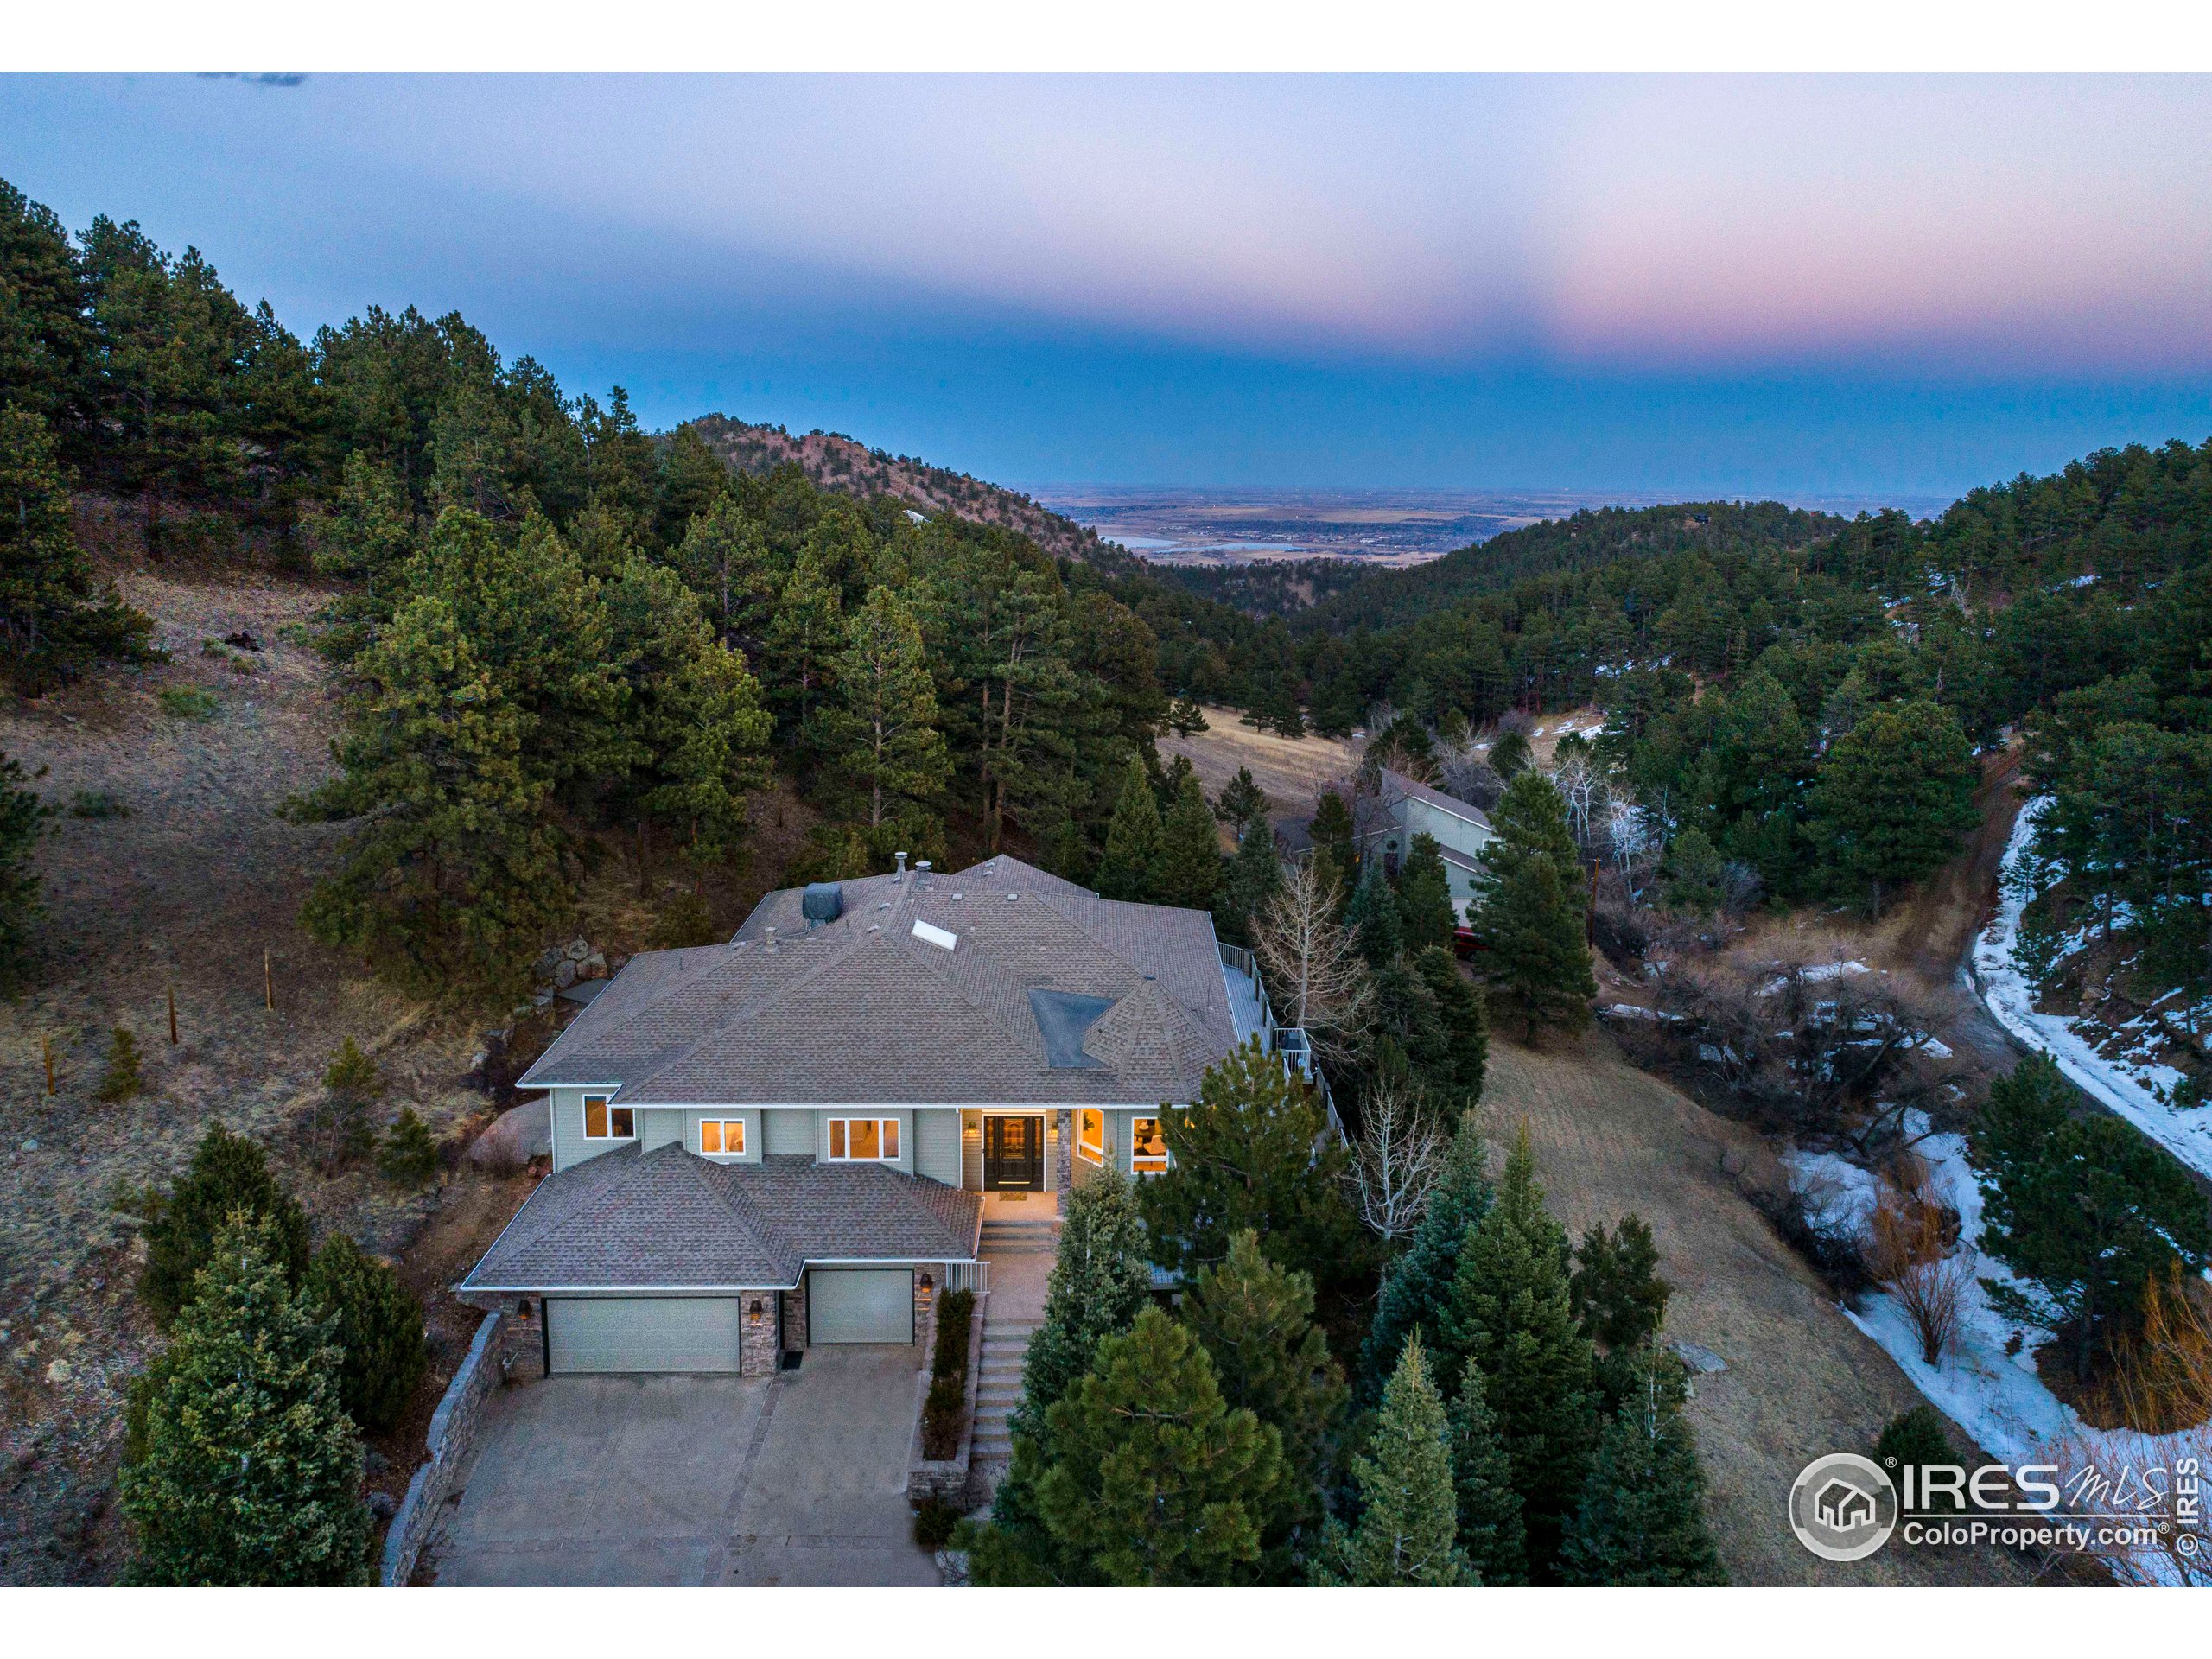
(936, 1146)
(789, 1130)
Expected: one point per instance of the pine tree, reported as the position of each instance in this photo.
(1185, 718)
(1253, 877)
(1407, 1532)
(1531, 919)
(378, 1330)
(1254, 1151)
(1641, 1520)
(1894, 799)
(1509, 756)
(56, 616)
(1153, 1479)
(455, 875)
(1186, 865)
(1417, 1284)
(250, 1473)
(883, 726)
(804, 635)
(1511, 1318)
(1256, 1322)
(724, 560)
(1332, 829)
(228, 1174)
(1426, 916)
(409, 1156)
(1132, 839)
(1100, 1282)
(44, 340)
(1373, 917)
(1490, 1534)
(1242, 799)
(1617, 1292)
(2085, 1210)
(1464, 1017)
(21, 816)
(693, 481)
(1691, 873)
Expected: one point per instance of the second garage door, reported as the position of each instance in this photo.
(643, 1333)
(860, 1305)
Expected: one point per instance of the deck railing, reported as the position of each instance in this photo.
(968, 1275)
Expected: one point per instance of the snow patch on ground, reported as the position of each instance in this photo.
(1997, 1397)
(2132, 1091)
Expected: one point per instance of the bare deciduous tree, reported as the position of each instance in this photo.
(1395, 1161)
(1314, 965)
(1910, 1255)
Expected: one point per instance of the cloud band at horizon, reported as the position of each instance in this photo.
(1715, 285)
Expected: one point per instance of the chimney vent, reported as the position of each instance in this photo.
(901, 876)
(772, 937)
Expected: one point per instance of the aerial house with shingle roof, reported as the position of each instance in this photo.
(789, 1139)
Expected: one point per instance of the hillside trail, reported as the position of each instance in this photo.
(1799, 1380)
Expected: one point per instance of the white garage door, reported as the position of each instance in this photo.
(860, 1305)
(656, 1333)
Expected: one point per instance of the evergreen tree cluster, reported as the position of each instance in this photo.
(243, 1453)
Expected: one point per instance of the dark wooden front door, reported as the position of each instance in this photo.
(1013, 1154)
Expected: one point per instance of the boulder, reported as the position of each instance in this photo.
(514, 1137)
(594, 966)
(565, 974)
(577, 950)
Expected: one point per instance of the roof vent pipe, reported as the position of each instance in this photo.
(772, 937)
(901, 876)
(922, 869)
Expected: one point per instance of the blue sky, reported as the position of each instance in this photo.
(1740, 285)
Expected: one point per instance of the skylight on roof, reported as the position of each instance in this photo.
(928, 933)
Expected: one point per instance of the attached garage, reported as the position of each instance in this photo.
(643, 1333)
(860, 1305)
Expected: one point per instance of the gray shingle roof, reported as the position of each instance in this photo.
(861, 1010)
(667, 1219)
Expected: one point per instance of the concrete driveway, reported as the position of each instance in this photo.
(699, 1480)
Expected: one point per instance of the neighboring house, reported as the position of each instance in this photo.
(1389, 810)
(787, 1138)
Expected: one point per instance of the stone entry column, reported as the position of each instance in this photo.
(1063, 1158)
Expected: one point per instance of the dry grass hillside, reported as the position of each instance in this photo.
(1291, 770)
(187, 881)
(1799, 1380)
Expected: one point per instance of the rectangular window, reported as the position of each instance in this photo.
(1090, 1137)
(1147, 1145)
(864, 1140)
(723, 1137)
(605, 1122)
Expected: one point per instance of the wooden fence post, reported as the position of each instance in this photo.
(46, 1053)
(172, 1015)
(268, 982)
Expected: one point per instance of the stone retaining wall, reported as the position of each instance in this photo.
(946, 1479)
(452, 1431)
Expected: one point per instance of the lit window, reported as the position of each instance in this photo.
(1147, 1145)
(722, 1136)
(603, 1123)
(1090, 1137)
(864, 1140)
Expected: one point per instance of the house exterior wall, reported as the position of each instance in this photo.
(1422, 817)
(789, 1131)
(936, 1146)
(971, 1152)
(567, 1114)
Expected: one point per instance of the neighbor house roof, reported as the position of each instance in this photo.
(668, 1220)
(877, 1007)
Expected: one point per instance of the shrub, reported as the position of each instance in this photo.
(188, 703)
(684, 920)
(934, 1520)
(228, 1174)
(943, 1412)
(98, 804)
(379, 1327)
(353, 1074)
(409, 1155)
(1916, 1438)
(123, 1078)
(1910, 1258)
(956, 1319)
(340, 1128)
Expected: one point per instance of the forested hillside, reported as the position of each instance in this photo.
(554, 634)
(832, 461)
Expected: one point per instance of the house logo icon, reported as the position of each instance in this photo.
(1843, 1507)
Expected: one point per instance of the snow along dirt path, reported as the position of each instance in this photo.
(2000, 1398)
(2127, 1091)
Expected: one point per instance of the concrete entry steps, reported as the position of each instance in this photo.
(998, 1388)
(1023, 1237)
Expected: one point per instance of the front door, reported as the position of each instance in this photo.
(1013, 1154)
